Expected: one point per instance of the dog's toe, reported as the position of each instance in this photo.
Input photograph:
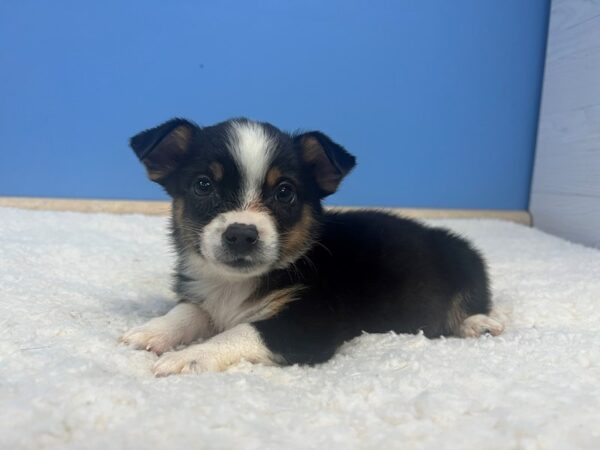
(170, 364)
(173, 363)
(480, 324)
(148, 338)
(190, 360)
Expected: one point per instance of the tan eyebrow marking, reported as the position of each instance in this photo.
(217, 170)
(273, 176)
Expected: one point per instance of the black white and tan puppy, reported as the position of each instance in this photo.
(265, 274)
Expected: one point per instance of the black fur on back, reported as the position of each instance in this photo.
(375, 272)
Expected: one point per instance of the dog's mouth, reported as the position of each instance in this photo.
(241, 263)
(244, 265)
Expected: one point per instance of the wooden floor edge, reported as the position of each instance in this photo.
(163, 207)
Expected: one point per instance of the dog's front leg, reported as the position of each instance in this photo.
(217, 353)
(181, 325)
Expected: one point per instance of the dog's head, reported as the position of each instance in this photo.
(246, 196)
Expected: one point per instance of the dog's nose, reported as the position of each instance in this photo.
(240, 238)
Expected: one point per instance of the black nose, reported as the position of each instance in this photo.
(240, 238)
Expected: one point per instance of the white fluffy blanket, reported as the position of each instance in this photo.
(71, 284)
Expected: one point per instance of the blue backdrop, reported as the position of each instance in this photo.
(438, 99)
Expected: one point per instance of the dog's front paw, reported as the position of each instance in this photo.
(194, 359)
(152, 336)
(480, 324)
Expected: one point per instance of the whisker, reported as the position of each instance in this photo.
(322, 245)
(189, 227)
(310, 263)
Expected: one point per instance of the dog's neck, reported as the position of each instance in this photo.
(223, 297)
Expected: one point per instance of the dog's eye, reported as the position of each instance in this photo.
(203, 185)
(285, 193)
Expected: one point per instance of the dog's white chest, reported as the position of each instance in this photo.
(224, 301)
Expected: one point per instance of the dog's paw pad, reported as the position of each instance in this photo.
(480, 324)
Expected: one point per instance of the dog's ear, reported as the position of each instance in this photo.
(161, 149)
(329, 162)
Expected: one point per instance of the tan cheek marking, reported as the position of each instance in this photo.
(217, 170)
(273, 176)
(179, 222)
(298, 238)
(178, 210)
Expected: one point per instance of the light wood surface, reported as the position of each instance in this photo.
(565, 194)
(88, 205)
(161, 208)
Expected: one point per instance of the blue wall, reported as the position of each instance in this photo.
(438, 99)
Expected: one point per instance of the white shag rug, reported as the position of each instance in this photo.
(71, 284)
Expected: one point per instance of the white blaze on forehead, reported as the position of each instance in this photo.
(252, 148)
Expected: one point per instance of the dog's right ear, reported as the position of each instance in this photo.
(163, 148)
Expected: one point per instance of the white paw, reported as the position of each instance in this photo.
(153, 336)
(190, 360)
(479, 324)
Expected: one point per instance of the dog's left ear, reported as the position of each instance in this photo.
(161, 149)
(330, 162)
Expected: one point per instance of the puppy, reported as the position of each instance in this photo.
(266, 275)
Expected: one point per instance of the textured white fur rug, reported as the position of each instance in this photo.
(71, 284)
